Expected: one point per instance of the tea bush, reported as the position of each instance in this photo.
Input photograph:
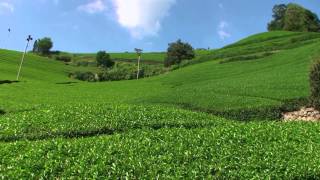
(315, 84)
(63, 58)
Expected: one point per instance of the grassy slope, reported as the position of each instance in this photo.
(157, 57)
(180, 142)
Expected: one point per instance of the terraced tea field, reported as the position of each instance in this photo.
(209, 120)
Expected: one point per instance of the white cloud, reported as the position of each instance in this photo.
(6, 7)
(142, 17)
(223, 34)
(92, 7)
(222, 30)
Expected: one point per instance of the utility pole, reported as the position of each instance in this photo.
(139, 52)
(22, 59)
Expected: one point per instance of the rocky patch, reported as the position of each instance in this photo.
(304, 114)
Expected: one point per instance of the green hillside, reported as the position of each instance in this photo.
(214, 119)
(156, 57)
(147, 57)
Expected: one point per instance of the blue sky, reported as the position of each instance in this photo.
(122, 25)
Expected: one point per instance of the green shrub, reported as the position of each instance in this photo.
(315, 84)
(178, 51)
(150, 70)
(63, 58)
(104, 60)
(84, 76)
(86, 63)
(44, 45)
(170, 60)
(121, 71)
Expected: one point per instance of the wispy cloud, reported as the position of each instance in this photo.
(6, 7)
(142, 17)
(222, 30)
(93, 6)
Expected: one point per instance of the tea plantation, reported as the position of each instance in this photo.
(217, 118)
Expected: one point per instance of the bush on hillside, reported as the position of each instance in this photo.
(86, 63)
(84, 76)
(121, 71)
(63, 58)
(170, 60)
(104, 60)
(315, 85)
(178, 51)
(43, 46)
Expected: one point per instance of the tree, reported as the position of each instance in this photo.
(313, 22)
(45, 45)
(103, 59)
(293, 17)
(35, 47)
(178, 51)
(279, 12)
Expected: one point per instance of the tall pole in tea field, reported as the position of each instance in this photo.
(24, 53)
(139, 52)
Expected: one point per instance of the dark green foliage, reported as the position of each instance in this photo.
(315, 85)
(86, 63)
(313, 21)
(279, 12)
(103, 59)
(170, 60)
(127, 71)
(178, 51)
(294, 104)
(84, 76)
(44, 45)
(257, 114)
(293, 17)
(122, 71)
(35, 48)
(153, 70)
(63, 58)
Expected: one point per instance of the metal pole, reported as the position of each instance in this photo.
(139, 58)
(22, 59)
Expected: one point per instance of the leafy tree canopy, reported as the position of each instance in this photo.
(178, 51)
(44, 45)
(293, 17)
(103, 59)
